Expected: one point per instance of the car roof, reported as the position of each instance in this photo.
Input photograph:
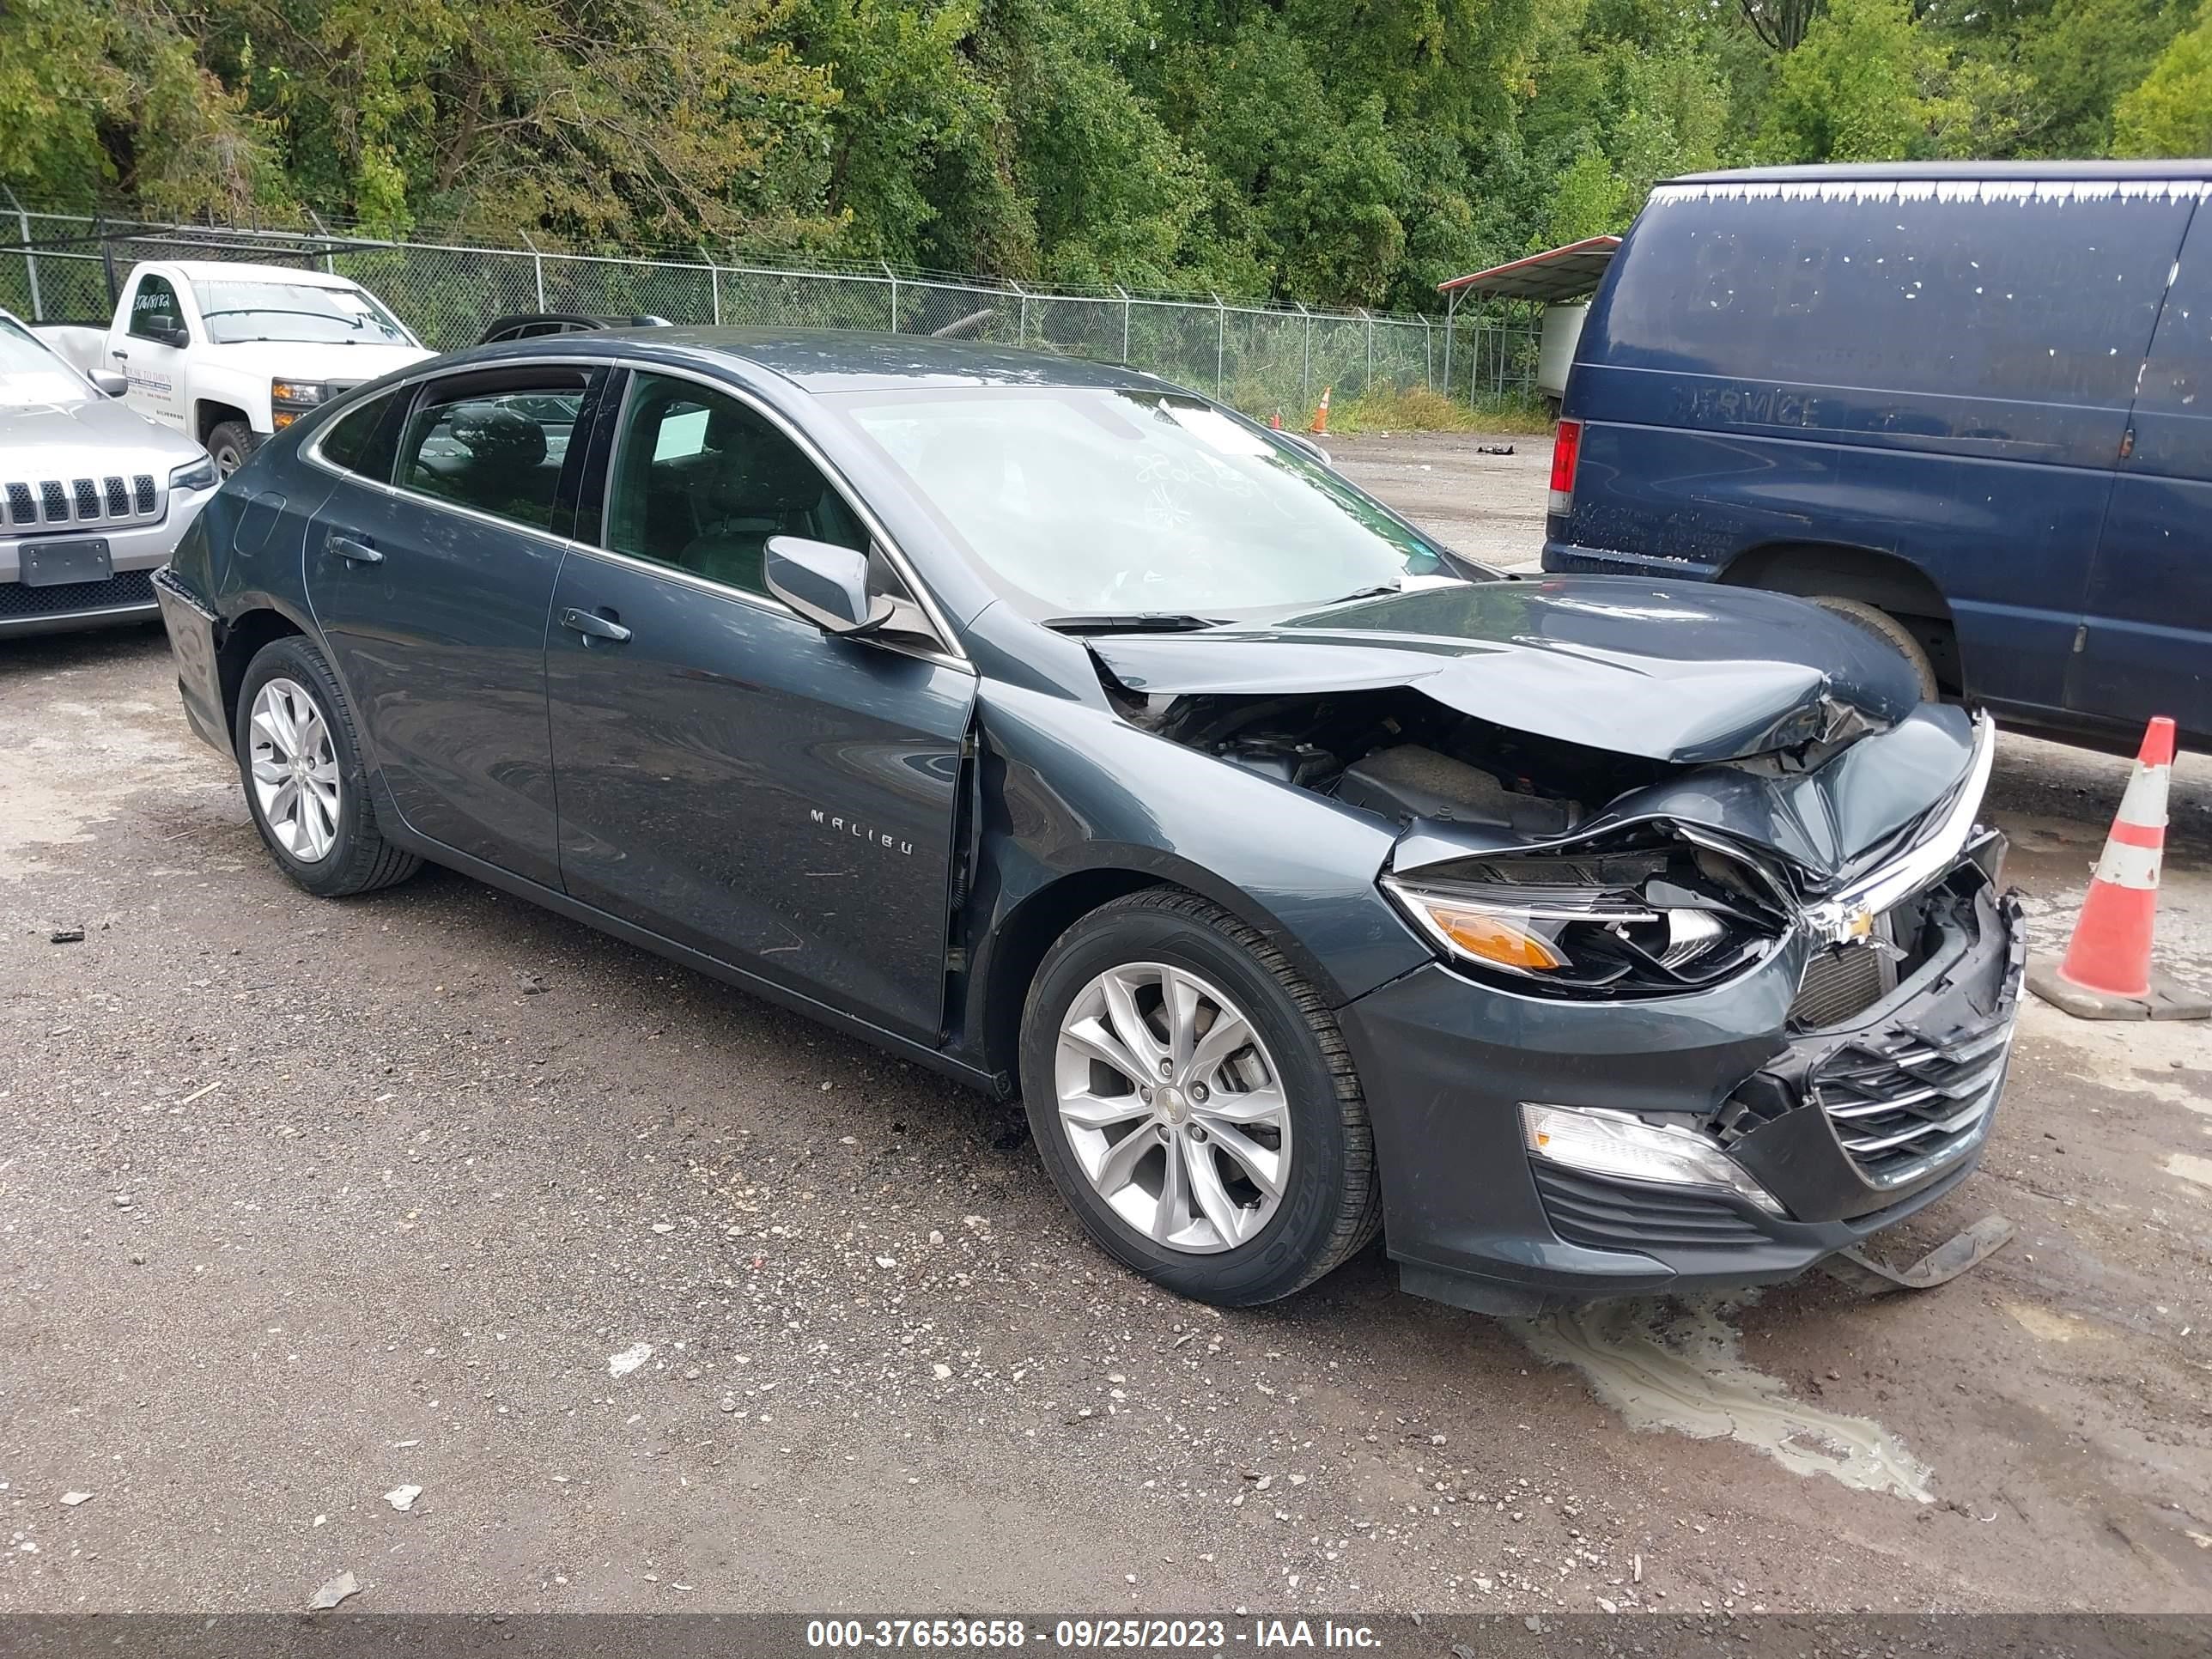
(202, 270)
(1941, 171)
(829, 360)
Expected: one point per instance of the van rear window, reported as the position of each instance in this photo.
(1944, 289)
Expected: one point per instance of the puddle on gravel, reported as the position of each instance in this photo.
(1678, 1366)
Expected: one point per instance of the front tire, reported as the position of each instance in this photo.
(230, 445)
(299, 761)
(1195, 1102)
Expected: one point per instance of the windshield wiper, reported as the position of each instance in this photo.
(1375, 592)
(1133, 622)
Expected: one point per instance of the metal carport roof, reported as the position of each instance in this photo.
(1553, 277)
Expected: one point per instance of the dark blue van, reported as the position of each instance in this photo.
(1967, 405)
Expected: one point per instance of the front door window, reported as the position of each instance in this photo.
(701, 482)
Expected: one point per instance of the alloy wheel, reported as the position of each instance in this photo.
(295, 770)
(1173, 1107)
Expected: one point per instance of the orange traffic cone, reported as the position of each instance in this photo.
(1320, 427)
(2107, 972)
(1275, 421)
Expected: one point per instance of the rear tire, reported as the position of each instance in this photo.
(1883, 626)
(231, 446)
(299, 761)
(1277, 1104)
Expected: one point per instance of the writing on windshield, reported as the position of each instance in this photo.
(237, 312)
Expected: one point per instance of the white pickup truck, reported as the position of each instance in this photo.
(228, 354)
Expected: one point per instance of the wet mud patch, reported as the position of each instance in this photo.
(1678, 1365)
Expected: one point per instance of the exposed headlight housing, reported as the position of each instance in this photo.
(195, 475)
(290, 399)
(1638, 921)
(1605, 1143)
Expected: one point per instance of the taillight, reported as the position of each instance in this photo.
(1566, 450)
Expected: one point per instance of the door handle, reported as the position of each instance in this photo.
(593, 627)
(355, 552)
(120, 356)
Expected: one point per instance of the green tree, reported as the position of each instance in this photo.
(1869, 82)
(2171, 113)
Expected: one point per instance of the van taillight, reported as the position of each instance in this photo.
(1566, 450)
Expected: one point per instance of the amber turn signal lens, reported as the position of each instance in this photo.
(1493, 940)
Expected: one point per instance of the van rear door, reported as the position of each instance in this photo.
(2147, 648)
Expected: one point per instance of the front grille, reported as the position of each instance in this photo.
(1901, 1103)
(1604, 1215)
(1840, 981)
(113, 499)
(132, 587)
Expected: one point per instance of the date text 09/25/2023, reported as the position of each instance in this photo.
(1201, 1635)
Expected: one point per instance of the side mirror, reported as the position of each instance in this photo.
(109, 381)
(826, 584)
(175, 335)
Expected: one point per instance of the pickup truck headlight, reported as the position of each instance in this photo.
(1639, 922)
(194, 474)
(291, 399)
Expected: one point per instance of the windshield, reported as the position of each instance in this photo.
(30, 374)
(236, 312)
(1102, 502)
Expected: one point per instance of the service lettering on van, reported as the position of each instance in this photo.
(1745, 406)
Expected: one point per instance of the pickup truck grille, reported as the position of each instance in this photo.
(116, 499)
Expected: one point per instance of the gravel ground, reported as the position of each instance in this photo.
(664, 1298)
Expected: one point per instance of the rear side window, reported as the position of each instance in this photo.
(2017, 292)
(495, 442)
(361, 440)
(700, 482)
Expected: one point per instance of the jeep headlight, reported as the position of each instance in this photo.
(1640, 921)
(195, 475)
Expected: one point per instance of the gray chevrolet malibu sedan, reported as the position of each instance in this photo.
(1052, 726)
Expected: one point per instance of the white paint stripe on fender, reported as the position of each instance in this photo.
(2123, 866)
(2144, 804)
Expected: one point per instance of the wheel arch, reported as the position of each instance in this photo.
(1888, 580)
(244, 634)
(209, 413)
(1017, 939)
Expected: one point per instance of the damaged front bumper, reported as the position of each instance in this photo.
(1851, 1127)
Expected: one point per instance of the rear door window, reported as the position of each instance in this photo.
(494, 442)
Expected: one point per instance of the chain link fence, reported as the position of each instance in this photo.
(1266, 359)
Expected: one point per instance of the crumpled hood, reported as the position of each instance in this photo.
(1827, 822)
(1680, 672)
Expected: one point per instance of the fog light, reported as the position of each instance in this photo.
(1617, 1144)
